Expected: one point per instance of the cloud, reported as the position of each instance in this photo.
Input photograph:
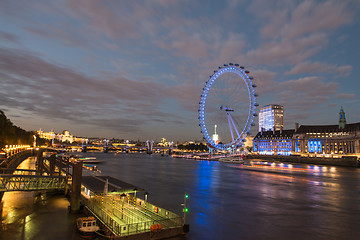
(265, 81)
(290, 21)
(306, 93)
(55, 91)
(291, 118)
(291, 33)
(319, 67)
(105, 18)
(345, 96)
(8, 37)
(288, 52)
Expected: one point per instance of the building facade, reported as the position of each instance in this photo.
(340, 139)
(271, 117)
(328, 139)
(64, 137)
(274, 142)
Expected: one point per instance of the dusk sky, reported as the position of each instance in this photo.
(136, 69)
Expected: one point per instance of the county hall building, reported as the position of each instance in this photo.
(343, 139)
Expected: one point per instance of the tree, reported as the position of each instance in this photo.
(13, 135)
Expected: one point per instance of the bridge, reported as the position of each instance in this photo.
(13, 179)
(11, 182)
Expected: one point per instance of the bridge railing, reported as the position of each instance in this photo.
(9, 182)
(15, 159)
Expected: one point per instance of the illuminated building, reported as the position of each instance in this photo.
(340, 139)
(65, 136)
(47, 135)
(271, 117)
(328, 139)
(274, 142)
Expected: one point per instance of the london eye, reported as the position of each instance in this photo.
(227, 107)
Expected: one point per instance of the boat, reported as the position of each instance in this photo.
(87, 226)
(231, 160)
(91, 167)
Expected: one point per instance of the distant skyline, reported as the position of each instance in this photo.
(136, 69)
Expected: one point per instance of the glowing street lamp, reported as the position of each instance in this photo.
(34, 141)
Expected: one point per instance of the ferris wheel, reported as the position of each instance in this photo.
(227, 107)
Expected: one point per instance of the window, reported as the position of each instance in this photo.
(89, 224)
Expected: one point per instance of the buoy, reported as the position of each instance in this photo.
(154, 227)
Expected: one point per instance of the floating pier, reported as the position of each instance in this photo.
(115, 204)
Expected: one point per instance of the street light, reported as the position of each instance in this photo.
(146, 196)
(34, 141)
(135, 189)
(122, 205)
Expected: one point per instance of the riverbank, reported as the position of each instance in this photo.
(28, 215)
(344, 161)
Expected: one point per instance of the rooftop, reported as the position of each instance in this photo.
(96, 184)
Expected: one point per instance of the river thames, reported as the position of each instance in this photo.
(224, 202)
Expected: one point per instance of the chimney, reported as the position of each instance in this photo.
(262, 130)
(274, 130)
(296, 126)
(281, 130)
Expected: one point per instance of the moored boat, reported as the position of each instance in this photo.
(231, 160)
(87, 226)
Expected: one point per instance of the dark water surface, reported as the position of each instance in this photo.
(226, 202)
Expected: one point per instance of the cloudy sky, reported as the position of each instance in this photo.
(136, 69)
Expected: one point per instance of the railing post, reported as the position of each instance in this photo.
(67, 175)
(52, 159)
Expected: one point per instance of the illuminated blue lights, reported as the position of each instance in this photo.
(297, 146)
(240, 71)
(277, 147)
(314, 146)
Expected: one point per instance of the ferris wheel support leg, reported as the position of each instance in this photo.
(232, 121)
(229, 117)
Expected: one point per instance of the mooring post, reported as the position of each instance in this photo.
(40, 161)
(67, 175)
(52, 160)
(76, 187)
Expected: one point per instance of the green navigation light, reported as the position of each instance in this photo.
(186, 209)
(186, 196)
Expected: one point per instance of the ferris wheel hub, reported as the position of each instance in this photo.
(226, 109)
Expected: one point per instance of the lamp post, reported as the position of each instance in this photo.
(185, 210)
(122, 205)
(34, 141)
(135, 198)
(146, 196)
